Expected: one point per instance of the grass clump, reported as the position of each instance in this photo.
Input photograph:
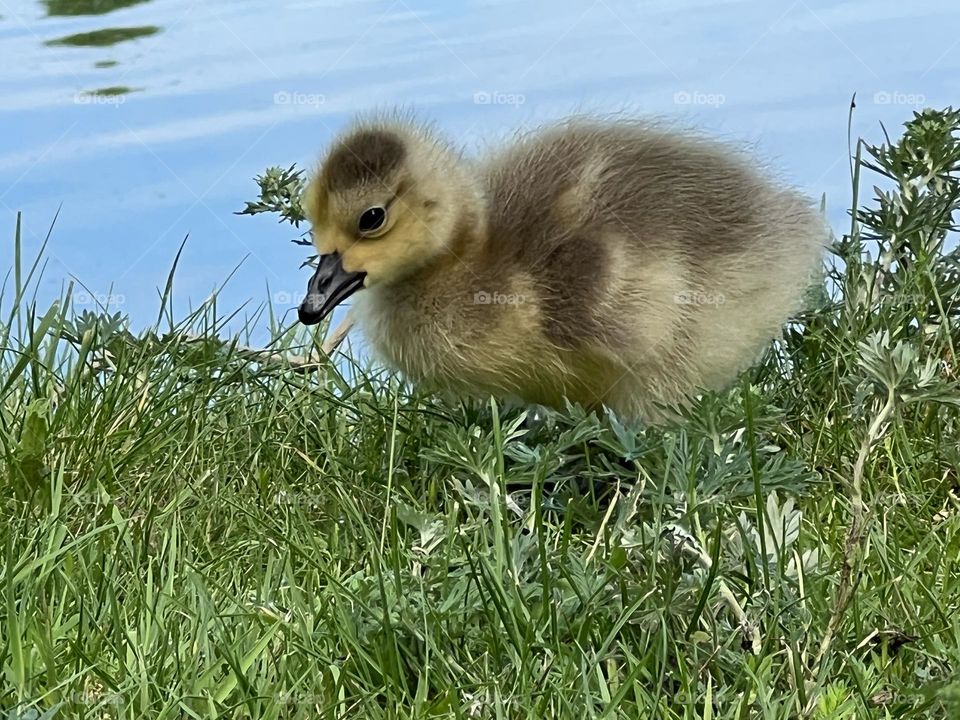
(197, 529)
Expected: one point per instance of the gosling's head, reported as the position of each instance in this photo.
(388, 201)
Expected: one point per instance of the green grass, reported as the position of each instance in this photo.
(193, 529)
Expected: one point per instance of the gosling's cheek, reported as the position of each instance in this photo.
(425, 244)
(323, 242)
(357, 258)
(374, 271)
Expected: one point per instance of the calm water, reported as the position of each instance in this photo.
(146, 120)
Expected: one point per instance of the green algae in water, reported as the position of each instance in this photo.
(105, 93)
(86, 7)
(106, 37)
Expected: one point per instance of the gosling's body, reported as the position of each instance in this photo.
(606, 263)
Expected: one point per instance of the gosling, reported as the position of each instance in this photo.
(611, 264)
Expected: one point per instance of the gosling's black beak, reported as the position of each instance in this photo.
(329, 286)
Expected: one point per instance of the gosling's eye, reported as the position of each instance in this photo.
(372, 219)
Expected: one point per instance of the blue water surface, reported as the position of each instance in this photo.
(144, 121)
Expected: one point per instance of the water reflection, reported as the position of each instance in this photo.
(110, 92)
(230, 87)
(86, 7)
(102, 37)
(105, 37)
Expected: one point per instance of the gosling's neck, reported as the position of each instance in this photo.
(458, 216)
(449, 271)
(460, 219)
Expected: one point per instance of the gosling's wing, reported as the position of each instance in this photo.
(540, 227)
